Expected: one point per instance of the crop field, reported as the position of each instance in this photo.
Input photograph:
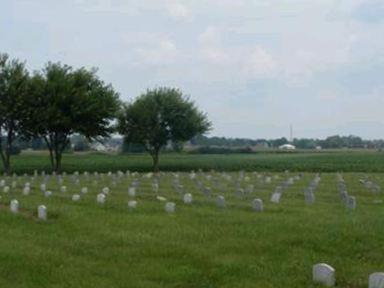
(202, 244)
(335, 161)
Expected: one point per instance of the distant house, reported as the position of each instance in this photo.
(287, 147)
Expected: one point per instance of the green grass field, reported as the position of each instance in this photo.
(86, 245)
(334, 161)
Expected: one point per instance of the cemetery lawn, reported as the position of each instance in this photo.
(324, 161)
(201, 245)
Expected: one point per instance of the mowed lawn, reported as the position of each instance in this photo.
(86, 245)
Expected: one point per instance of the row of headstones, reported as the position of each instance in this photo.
(325, 274)
(370, 185)
(349, 201)
(276, 195)
(41, 210)
(309, 192)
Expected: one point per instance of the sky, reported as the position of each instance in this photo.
(254, 66)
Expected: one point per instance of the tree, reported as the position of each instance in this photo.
(161, 116)
(14, 109)
(68, 101)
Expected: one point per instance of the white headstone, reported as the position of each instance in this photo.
(170, 207)
(48, 194)
(276, 197)
(132, 204)
(26, 190)
(376, 280)
(43, 187)
(100, 198)
(75, 197)
(309, 197)
(351, 202)
(187, 198)
(257, 205)
(42, 212)
(6, 189)
(84, 190)
(63, 189)
(324, 274)
(220, 201)
(105, 190)
(14, 206)
(132, 191)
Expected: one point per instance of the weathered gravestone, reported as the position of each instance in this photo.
(376, 280)
(276, 197)
(100, 198)
(324, 274)
(26, 190)
(132, 204)
(14, 206)
(132, 191)
(75, 197)
(351, 202)
(257, 205)
(42, 212)
(187, 198)
(220, 201)
(170, 207)
(309, 197)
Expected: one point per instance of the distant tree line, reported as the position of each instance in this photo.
(331, 142)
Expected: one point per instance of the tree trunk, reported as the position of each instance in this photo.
(7, 163)
(52, 159)
(58, 162)
(155, 160)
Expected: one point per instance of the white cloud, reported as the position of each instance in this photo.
(177, 10)
(259, 64)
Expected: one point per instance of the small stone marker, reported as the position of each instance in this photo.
(132, 191)
(100, 198)
(14, 206)
(187, 198)
(220, 201)
(351, 202)
(376, 280)
(170, 207)
(84, 190)
(75, 197)
(309, 197)
(26, 190)
(63, 189)
(6, 189)
(324, 274)
(105, 190)
(48, 193)
(276, 197)
(132, 204)
(42, 212)
(257, 205)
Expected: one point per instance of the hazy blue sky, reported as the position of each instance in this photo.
(254, 66)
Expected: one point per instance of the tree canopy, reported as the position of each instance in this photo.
(160, 117)
(14, 107)
(68, 101)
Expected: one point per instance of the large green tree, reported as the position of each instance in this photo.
(14, 108)
(159, 117)
(68, 101)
